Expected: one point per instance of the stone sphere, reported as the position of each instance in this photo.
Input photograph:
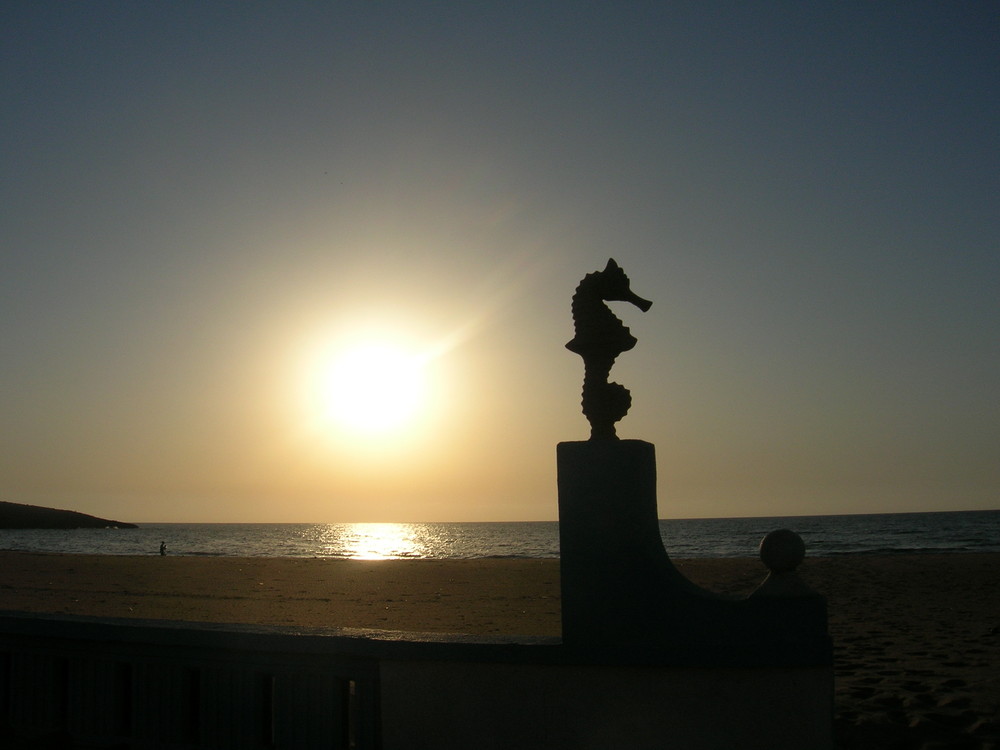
(782, 551)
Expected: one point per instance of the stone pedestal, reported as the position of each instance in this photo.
(623, 597)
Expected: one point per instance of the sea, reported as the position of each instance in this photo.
(882, 534)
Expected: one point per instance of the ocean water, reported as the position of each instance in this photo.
(968, 531)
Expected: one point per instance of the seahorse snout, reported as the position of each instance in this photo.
(635, 299)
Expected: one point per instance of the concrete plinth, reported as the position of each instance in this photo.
(621, 592)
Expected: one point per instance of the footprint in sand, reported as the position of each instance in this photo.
(954, 701)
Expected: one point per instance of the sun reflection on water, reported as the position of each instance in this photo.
(379, 541)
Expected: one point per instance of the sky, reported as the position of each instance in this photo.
(209, 208)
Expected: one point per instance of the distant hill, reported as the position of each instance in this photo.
(17, 516)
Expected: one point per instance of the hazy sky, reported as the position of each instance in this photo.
(204, 202)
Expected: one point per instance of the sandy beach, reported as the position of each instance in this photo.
(917, 637)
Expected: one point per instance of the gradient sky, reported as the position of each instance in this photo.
(202, 200)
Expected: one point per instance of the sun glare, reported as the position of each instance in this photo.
(380, 541)
(372, 388)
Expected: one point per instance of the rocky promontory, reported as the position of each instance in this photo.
(17, 516)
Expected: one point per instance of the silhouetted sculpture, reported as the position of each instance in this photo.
(621, 593)
(600, 338)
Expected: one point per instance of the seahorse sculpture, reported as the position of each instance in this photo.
(600, 338)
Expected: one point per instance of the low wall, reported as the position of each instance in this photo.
(151, 684)
(574, 707)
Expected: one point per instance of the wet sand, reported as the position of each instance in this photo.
(916, 637)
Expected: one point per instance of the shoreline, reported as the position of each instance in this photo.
(916, 637)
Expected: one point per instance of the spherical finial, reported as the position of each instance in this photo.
(782, 551)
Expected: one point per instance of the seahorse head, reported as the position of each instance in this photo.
(613, 285)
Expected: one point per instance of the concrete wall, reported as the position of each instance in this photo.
(153, 684)
(456, 706)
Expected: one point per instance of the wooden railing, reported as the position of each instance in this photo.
(153, 685)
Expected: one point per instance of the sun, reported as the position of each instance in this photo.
(372, 389)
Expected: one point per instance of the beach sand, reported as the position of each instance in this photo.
(916, 637)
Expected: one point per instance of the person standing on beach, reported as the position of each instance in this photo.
(163, 549)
